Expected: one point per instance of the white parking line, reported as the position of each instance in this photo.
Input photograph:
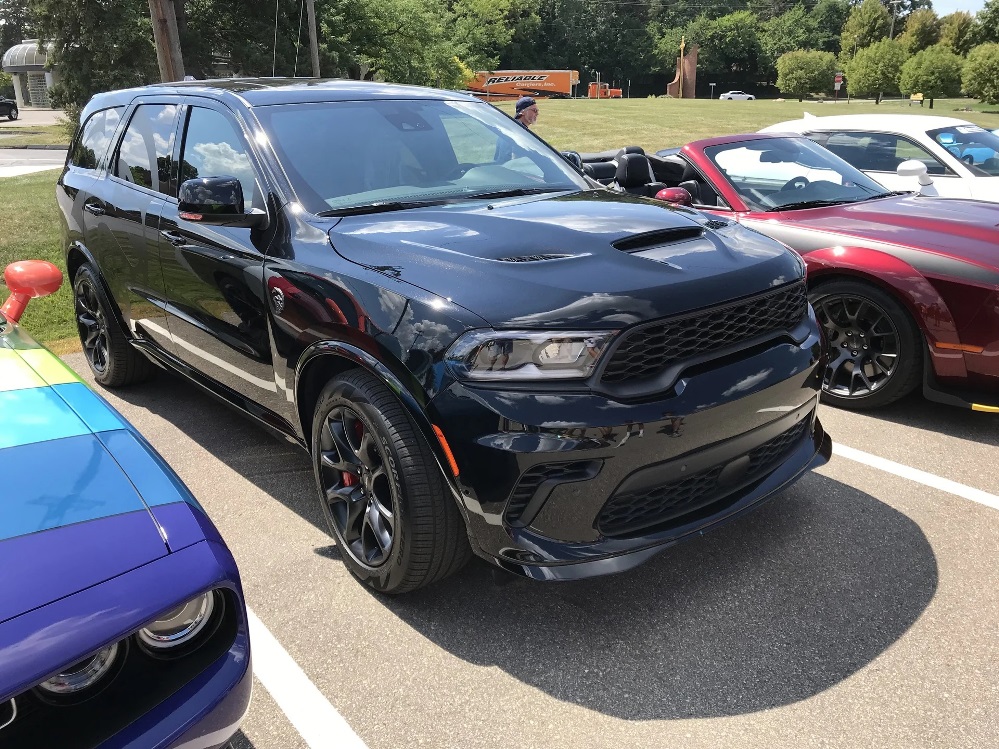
(914, 474)
(315, 719)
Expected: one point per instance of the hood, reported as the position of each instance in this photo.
(963, 229)
(593, 259)
(70, 517)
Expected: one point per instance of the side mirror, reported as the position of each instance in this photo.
(914, 168)
(217, 201)
(675, 195)
(575, 159)
(28, 279)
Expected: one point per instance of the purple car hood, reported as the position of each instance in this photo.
(84, 498)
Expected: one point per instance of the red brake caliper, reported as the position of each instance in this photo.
(350, 479)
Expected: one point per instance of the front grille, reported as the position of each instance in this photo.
(626, 514)
(648, 350)
(544, 478)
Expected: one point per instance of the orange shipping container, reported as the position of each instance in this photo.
(512, 84)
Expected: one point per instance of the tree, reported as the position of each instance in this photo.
(98, 46)
(730, 47)
(957, 32)
(829, 17)
(981, 73)
(922, 30)
(987, 23)
(15, 23)
(804, 72)
(794, 30)
(934, 72)
(867, 23)
(876, 69)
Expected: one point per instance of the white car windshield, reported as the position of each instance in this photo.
(977, 147)
(350, 156)
(775, 173)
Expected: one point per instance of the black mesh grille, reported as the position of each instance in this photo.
(626, 514)
(648, 350)
(533, 478)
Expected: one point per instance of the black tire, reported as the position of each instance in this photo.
(381, 489)
(12, 114)
(111, 357)
(875, 347)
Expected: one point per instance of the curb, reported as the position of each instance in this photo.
(35, 148)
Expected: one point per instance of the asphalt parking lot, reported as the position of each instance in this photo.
(858, 609)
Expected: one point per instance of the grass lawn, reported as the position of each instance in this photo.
(29, 223)
(43, 135)
(598, 125)
(29, 229)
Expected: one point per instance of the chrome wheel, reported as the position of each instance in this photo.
(864, 345)
(92, 324)
(359, 495)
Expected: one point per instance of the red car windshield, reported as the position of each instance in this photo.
(775, 173)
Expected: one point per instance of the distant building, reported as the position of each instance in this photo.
(32, 81)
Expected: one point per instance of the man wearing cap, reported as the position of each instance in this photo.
(527, 111)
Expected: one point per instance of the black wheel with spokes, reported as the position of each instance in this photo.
(875, 353)
(111, 357)
(381, 490)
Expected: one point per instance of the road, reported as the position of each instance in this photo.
(17, 161)
(858, 609)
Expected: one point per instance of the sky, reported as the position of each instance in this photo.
(945, 7)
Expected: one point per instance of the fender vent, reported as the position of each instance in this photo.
(532, 258)
(658, 238)
(714, 224)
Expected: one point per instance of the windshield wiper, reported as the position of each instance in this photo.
(515, 192)
(380, 207)
(812, 204)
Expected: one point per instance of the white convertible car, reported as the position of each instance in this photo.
(935, 155)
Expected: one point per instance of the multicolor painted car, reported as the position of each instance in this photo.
(122, 620)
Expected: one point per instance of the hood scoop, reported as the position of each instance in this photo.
(659, 238)
(533, 258)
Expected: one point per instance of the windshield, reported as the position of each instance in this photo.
(977, 147)
(385, 153)
(773, 173)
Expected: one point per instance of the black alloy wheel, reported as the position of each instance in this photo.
(873, 345)
(381, 488)
(359, 494)
(111, 357)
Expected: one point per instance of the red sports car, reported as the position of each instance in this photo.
(907, 287)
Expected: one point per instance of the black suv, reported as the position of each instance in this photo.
(483, 350)
(8, 108)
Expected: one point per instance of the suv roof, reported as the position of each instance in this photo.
(255, 92)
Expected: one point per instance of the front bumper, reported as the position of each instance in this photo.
(565, 485)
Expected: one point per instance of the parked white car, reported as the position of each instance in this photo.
(961, 159)
(737, 95)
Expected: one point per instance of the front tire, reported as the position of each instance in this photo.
(875, 347)
(111, 357)
(381, 489)
(12, 115)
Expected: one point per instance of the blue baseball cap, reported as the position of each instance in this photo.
(524, 102)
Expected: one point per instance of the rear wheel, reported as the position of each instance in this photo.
(381, 489)
(111, 357)
(875, 348)
(12, 114)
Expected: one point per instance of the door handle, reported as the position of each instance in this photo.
(94, 209)
(173, 237)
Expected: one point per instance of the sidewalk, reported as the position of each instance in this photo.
(32, 117)
(17, 162)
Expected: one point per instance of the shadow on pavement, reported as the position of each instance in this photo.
(769, 610)
(239, 741)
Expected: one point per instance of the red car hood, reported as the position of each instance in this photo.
(966, 229)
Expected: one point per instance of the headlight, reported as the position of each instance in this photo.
(526, 355)
(81, 675)
(180, 626)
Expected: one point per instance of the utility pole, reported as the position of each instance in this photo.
(313, 38)
(894, 7)
(168, 55)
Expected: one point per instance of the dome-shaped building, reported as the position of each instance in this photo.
(26, 64)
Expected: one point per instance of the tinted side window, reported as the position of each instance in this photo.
(92, 145)
(212, 148)
(880, 152)
(144, 157)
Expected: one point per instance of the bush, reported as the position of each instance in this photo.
(803, 72)
(981, 73)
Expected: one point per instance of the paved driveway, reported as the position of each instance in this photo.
(859, 609)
